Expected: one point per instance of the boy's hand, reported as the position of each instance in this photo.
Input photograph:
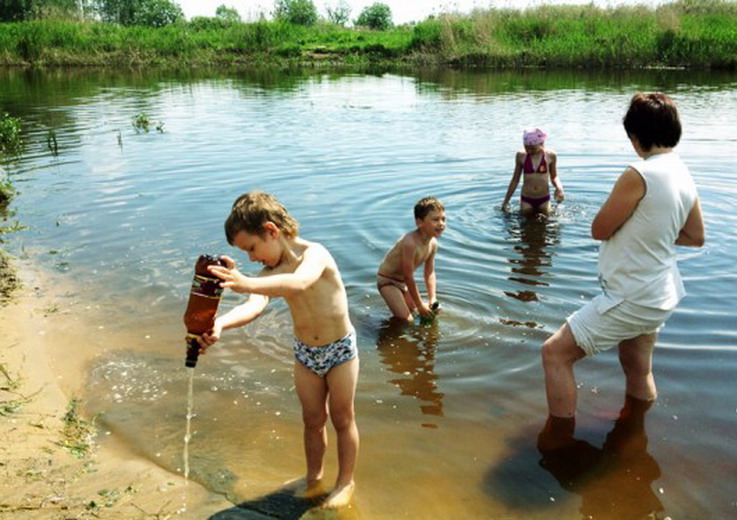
(209, 338)
(425, 311)
(230, 275)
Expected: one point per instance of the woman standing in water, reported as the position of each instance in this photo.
(653, 206)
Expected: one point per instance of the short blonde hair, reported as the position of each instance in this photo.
(252, 210)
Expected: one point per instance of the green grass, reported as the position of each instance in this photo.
(685, 33)
(78, 433)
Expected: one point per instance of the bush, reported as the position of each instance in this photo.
(427, 35)
(377, 16)
(298, 12)
(205, 23)
(10, 128)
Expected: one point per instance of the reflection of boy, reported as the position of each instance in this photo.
(306, 276)
(652, 207)
(537, 166)
(395, 279)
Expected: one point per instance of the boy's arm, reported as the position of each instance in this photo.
(244, 313)
(236, 317)
(693, 233)
(275, 285)
(408, 274)
(618, 208)
(559, 194)
(430, 279)
(515, 179)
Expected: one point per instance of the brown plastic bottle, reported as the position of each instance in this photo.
(203, 304)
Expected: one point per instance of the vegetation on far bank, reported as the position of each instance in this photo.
(685, 33)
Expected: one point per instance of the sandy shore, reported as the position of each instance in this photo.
(52, 463)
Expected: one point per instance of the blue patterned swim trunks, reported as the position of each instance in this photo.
(320, 360)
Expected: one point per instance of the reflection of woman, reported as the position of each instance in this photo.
(414, 359)
(615, 482)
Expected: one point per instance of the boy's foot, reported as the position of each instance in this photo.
(339, 497)
(303, 488)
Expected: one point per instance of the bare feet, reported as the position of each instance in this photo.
(339, 497)
(303, 488)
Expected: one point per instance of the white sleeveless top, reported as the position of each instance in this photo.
(638, 263)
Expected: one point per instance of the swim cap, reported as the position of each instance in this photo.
(533, 137)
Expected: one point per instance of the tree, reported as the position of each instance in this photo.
(298, 12)
(154, 13)
(228, 14)
(157, 13)
(19, 10)
(376, 16)
(340, 14)
(14, 10)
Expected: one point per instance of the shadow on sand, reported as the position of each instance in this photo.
(281, 504)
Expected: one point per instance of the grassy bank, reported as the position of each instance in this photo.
(686, 33)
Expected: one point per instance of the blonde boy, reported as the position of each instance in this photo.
(395, 279)
(326, 368)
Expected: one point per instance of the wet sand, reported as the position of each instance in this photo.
(39, 476)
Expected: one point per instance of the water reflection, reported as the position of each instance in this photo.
(532, 260)
(614, 481)
(410, 352)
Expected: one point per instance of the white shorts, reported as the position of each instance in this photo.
(604, 322)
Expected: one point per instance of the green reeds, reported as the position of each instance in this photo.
(685, 33)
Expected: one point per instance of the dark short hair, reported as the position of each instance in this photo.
(254, 209)
(426, 205)
(653, 119)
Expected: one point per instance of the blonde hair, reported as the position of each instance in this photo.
(252, 210)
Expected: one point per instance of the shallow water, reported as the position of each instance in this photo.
(448, 414)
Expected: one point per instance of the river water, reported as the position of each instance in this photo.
(448, 414)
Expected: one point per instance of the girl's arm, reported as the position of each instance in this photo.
(693, 233)
(559, 194)
(276, 285)
(618, 208)
(515, 179)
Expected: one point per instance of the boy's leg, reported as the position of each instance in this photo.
(396, 301)
(636, 358)
(342, 390)
(559, 353)
(312, 392)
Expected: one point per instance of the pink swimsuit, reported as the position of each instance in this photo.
(541, 168)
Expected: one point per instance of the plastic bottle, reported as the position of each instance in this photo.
(203, 304)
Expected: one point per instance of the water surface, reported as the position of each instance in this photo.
(449, 413)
